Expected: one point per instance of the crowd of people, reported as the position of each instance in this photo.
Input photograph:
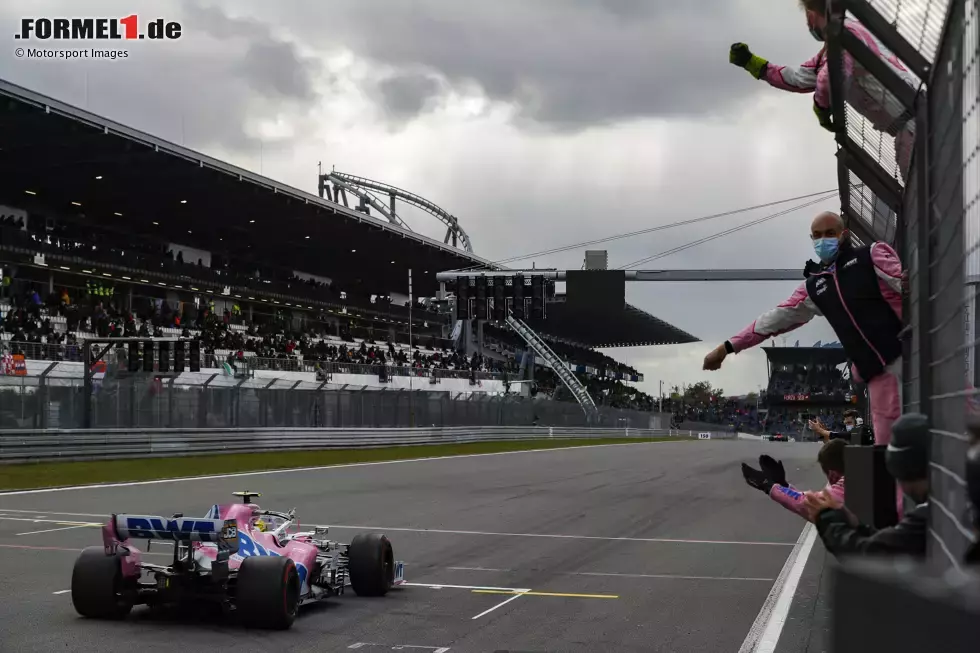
(604, 391)
(29, 323)
(802, 382)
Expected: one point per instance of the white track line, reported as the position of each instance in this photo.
(669, 576)
(63, 528)
(35, 520)
(70, 514)
(768, 626)
(499, 605)
(439, 586)
(554, 536)
(61, 592)
(618, 575)
(440, 531)
(477, 569)
(319, 468)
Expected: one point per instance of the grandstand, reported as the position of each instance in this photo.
(808, 383)
(108, 231)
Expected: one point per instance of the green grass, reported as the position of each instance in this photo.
(40, 475)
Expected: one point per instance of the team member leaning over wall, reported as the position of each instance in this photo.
(907, 459)
(771, 478)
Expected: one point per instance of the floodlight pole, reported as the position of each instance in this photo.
(87, 388)
(411, 355)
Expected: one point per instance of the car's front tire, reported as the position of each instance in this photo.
(371, 564)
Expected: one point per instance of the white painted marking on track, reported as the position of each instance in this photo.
(499, 605)
(399, 647)
(477, 569)
(768, 626)
(440, 531)
(319, 468)
(443, 531)
(61, 592)
(439, 586)
(49, 521)
(61, 528)
(618, 575)
(667, 576)
(50, 512)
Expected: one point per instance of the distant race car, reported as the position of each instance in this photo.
(779, 437)
(238, 556)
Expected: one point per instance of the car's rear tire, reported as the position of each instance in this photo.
(267, 592)
(98, 589)
(371, 564)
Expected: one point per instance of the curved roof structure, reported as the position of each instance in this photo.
(365, 189)
(51, 153)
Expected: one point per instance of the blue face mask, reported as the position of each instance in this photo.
(826, 248)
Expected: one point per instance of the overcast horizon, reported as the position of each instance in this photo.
(537, 124)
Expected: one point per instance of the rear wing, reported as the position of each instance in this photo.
(180, 529)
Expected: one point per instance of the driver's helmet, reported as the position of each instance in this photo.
(260, 525)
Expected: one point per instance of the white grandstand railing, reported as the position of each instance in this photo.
(57, 353)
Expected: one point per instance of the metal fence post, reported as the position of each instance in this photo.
(924, 252)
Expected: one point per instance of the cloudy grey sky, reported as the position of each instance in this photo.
(537, 122)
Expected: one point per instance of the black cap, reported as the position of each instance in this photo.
(907, 457)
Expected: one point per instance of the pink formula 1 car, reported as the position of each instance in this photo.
(237, 555)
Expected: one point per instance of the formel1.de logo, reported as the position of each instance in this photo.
(98, 29)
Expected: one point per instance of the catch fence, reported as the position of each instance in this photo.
(201, 400)
(912, 179)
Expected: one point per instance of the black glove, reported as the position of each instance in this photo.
(773, 469)
(756, 478)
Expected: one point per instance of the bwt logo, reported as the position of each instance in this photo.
(88, 29)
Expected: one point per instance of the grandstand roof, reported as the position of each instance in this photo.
(632, 327)
(831, 355)
(167, 192)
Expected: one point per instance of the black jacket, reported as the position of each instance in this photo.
(908, 537)
(866, 435)
(849, 296)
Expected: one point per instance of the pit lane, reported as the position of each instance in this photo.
(640, 547)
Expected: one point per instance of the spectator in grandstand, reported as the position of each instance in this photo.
(851, 417)
(863, 91)
(859, 291)
(907, 459)
(771, 478)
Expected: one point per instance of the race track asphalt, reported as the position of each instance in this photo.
(661, 546)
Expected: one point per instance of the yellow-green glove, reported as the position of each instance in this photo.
(825, 117)
(741, 56)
